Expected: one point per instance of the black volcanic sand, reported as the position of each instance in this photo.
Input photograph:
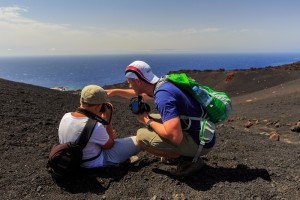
(245, 163)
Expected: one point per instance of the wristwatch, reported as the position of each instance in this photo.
(148, 123)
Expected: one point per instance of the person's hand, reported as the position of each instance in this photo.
(143, 118)
(109, 106)
(106, 111)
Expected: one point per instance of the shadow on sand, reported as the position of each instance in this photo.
(206, 178)
(96, 180)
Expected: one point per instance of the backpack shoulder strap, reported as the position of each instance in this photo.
(86, 133)
(85, 136)
(161, 81)
(92, 115)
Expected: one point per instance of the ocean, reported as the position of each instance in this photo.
(74, 72)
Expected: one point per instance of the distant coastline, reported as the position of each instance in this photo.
(288, 67)
(74, 72)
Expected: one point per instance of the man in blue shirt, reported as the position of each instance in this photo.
(172, 134)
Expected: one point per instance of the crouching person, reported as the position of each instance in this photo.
(176, 133)
(104, 149)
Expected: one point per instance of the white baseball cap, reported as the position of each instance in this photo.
(141, 70)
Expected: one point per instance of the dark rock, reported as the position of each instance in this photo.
(242, 165)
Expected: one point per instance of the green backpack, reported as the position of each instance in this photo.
(218, 108)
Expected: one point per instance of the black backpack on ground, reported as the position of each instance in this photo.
(65, 159)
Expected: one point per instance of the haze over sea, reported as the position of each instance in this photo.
(74, 72)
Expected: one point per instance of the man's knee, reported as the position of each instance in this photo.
(141, 137)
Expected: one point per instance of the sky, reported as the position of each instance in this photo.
(88, 27)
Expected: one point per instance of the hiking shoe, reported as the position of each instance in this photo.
(169, 161)
(187, 167)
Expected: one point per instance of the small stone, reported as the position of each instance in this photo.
(264, 133)
(269, 123)
(296, 128)
(134, 159)
(293, 128)
(220, 125)
(249, 124)
(274, 136)
(39, 188)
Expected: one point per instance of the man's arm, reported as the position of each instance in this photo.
(108, 111)
(110, 142)
(171, 129)
(126, 93)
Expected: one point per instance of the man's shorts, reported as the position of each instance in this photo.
(187, 147)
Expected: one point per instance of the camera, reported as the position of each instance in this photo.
(138, 106)
(104, 106)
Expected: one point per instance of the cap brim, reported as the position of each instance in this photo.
(154, 79)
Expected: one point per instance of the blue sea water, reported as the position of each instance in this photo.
(74, 72)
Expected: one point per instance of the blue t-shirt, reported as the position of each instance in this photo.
(172, 102)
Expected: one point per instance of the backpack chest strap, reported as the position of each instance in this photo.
(189, 119)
